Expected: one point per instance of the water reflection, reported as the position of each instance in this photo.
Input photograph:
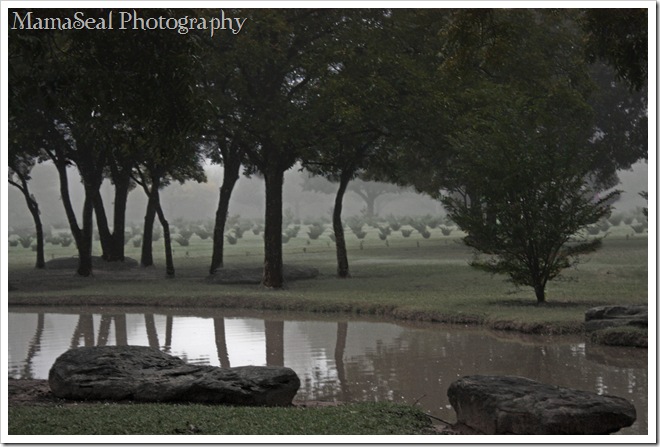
(349, 360)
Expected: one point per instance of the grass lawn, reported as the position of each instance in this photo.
(409, 278)
(170, 419)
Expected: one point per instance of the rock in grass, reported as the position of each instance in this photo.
(144, 374)
(517, 405)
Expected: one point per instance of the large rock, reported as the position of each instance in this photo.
(614, 316)
(145, 374)
(516, 405)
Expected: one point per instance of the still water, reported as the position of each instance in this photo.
(341, 359)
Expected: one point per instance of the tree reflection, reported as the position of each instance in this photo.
(221, 342)
(340, 347)
(85, 330)
(169, 321)
(33, 348)
(121, 336)
(152, 334)
(274, 342)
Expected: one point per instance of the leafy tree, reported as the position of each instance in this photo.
(225, 140)
(277, 59)
(54, 87)
(522, 179)
(20, 165)
(376, 97)
(525, 192)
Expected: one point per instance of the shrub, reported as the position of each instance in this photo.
(26, 241)
(292, 232)
(315, 230)
(406, 233)
(446, 231)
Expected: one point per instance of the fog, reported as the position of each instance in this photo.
(193, 201)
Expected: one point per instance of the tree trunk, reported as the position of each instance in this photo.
(102, 224)
(539, 290)
(338, 227)
(66, 200)
(122, 188)
(146, 257)
(273, 230)
(169, 261)
(231, 176)
(112, 243)
(34, 210)
(33, 207)
(84, 243)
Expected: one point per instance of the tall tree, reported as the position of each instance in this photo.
(225, 141)
(276, 60)
(523, 172)
(373, 92)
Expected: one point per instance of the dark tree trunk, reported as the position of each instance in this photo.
(153, 206)
(169, 260)
(539, 290)
(85, 241)
(273, 277)
(231, 176)
(66, 200)
(147, 258)
(112, 243)
(338, 227)
(33, 207)
(102, 224)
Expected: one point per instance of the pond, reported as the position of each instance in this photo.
(339, 358)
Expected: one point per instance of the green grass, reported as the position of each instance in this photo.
(621, 336)
(412, 278)
(168, 419)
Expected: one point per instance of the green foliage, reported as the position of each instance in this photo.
(522, 174)
(619, 37)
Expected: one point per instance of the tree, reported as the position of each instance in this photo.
(276, 60)
(29, 131)
(522, 179)
(20, 165)
(525, 192)
(225, 141)
(377, 94)
(55, 87)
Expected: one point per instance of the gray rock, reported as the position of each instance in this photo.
(145, 374)
(615, 316)
(255, 275)
(517, 405)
